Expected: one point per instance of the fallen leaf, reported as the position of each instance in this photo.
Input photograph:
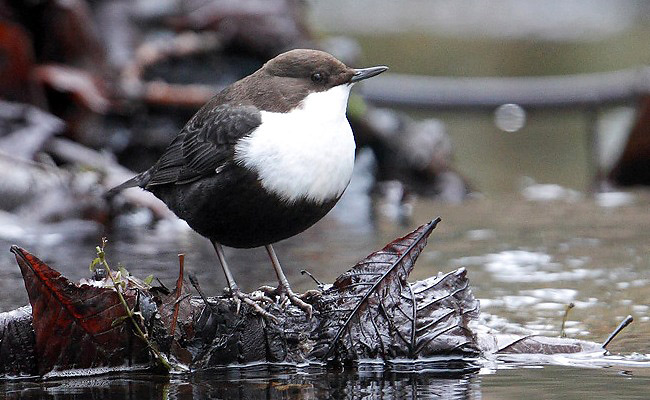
(372, 311)
(537, 344)
(73, 325)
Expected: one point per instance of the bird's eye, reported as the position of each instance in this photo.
(317, 77)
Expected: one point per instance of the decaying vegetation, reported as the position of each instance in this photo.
(371, 312)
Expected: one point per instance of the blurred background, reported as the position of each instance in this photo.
(466, 39)
(524, 124)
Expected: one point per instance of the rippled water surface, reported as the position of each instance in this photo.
(533, 383)
(526, 260)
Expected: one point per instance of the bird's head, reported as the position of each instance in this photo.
(310, 79)
(316, 70)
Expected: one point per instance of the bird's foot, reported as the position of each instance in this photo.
(285, 293)
(252, 300)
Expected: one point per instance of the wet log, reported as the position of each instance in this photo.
(24, 129)
(371, 312)
(32, 185)
(113, 173)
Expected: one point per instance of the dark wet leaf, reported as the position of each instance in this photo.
(444, 306)
(537, 344)
(372, 311)
(73, 325)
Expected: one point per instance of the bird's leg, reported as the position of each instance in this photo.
(237, 294)
(283, 284)
(232, 285)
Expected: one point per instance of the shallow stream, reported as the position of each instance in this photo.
(526, 260)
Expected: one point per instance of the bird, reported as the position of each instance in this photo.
(263, 160)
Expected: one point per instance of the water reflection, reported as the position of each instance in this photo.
(262, 385)
(537, 383)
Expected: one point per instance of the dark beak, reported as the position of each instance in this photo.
(365, 73)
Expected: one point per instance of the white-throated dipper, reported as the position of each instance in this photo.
(264, 159)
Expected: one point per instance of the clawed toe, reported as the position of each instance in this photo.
(297, 301)
(259, 295)
(252, 301)
(285, 293)
(311, 293)
(269, 291)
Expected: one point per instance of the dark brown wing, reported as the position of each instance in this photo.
(204, 145)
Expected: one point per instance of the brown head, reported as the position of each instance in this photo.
(284, 81)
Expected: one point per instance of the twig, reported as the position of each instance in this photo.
(196, 285)
(627, 321)
(163, 286)
(101, 258)
(305, 272)
(179, 288)
(564, 318)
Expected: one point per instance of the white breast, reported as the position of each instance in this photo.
(307, 153)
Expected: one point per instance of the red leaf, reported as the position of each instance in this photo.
(74, 324)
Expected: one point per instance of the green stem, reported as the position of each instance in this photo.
(161, 358)
(565, 317)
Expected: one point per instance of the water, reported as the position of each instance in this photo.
(526, 261)
(534, 383)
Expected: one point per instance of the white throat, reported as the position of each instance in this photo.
(305, 154)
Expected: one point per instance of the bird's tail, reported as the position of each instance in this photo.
(133, 182)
